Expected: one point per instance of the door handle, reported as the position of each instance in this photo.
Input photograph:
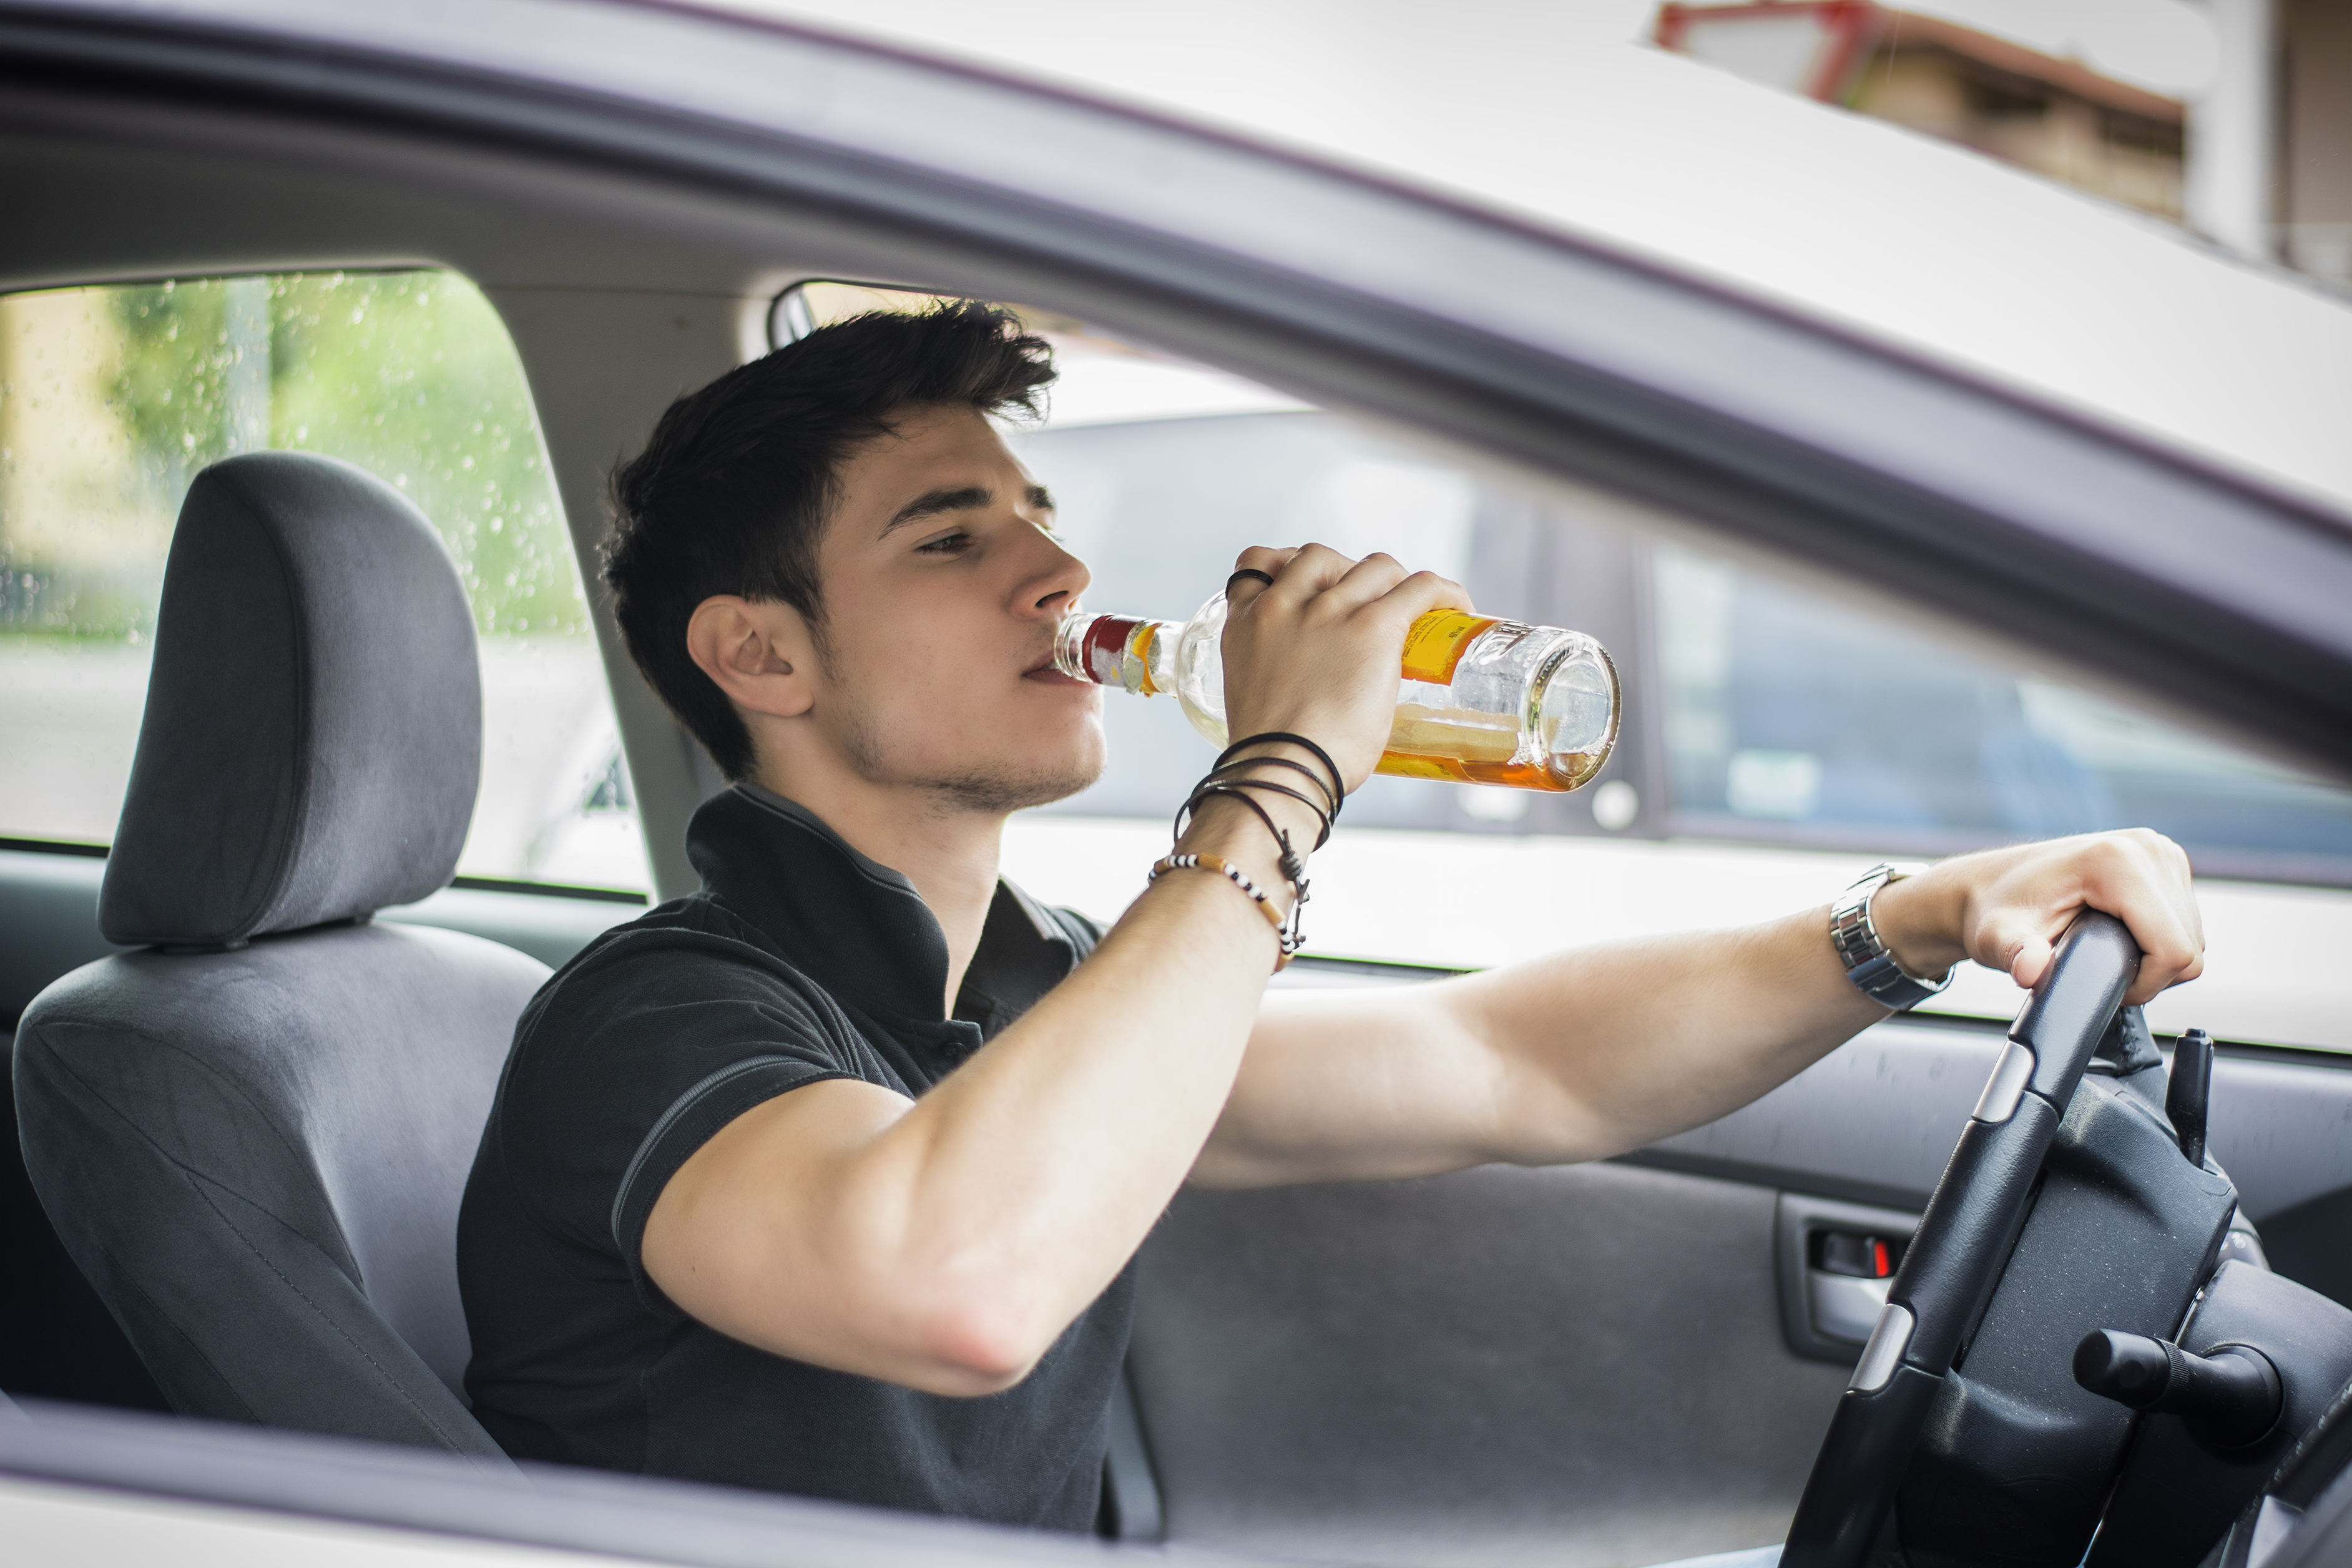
(1835, 1261)
(1845, 1309)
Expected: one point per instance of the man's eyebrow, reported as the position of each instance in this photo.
(963, 498)
(1041, 498)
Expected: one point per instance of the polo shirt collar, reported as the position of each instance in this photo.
(858, 926)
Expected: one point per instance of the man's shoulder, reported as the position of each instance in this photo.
(698, 932)
(649, 1017)
(690, 954)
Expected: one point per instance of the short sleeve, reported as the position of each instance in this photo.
(1085, 931)
(632, 1061)
(688, 1122)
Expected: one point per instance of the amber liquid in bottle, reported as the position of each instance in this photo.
(1480, 699)
(1427, 745)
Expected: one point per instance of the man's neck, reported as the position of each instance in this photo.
(950, 854)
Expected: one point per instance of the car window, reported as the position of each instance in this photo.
(1771, 714)
(1793, 716)
(113, 398)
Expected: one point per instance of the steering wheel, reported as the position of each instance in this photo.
(1963, 1243)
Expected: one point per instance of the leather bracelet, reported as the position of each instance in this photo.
(1232, 873)
(1327, 812)
(1294, 865)
(1337, 791)
(1224, 785)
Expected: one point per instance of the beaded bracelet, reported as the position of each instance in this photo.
(1291, 863)
(1232, 873)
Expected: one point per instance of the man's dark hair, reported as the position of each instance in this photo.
(732, 491)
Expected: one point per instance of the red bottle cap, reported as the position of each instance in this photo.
(1105, 647)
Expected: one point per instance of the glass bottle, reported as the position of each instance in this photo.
(1479, 699)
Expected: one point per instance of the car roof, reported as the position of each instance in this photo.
(1552, 113)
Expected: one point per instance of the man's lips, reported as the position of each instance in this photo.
(1045, 672)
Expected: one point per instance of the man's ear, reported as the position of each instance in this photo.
(760, 654)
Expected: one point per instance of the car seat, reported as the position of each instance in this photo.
(252, 1133)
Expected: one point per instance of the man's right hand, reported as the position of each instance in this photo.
(1317, 652)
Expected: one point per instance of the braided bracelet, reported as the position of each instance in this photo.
(1232, 873)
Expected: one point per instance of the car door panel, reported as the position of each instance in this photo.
(1876, 1120)
(1580, 1365)
(1591, 1364)
(1872, 1122)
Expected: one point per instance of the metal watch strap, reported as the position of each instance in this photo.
(1868, 964)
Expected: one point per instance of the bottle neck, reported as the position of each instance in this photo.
(1112, 650)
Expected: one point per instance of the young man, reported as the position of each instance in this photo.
(830, 1177)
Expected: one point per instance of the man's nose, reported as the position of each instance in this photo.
(1058, 587)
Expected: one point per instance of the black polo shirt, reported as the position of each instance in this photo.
(800, 960)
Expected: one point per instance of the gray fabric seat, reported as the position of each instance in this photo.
(252, 1134)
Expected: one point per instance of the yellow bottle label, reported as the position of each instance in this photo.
(1434, 643)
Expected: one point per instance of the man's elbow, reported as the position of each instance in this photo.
(981, 1346)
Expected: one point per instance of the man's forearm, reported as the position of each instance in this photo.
(1613, 1047)
(1577, 1056)
(1592, 1052)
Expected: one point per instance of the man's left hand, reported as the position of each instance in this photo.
(2006, 909)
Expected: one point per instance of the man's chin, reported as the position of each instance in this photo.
(1002, 791)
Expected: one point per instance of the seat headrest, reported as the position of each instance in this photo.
(313, 734)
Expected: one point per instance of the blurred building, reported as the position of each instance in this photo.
(2261, 161)
(2313, 190)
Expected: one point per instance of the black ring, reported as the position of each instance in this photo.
(1248, 572)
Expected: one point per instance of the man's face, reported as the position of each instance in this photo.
(942, 584)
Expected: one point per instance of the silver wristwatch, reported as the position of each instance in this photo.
(1868, 964)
